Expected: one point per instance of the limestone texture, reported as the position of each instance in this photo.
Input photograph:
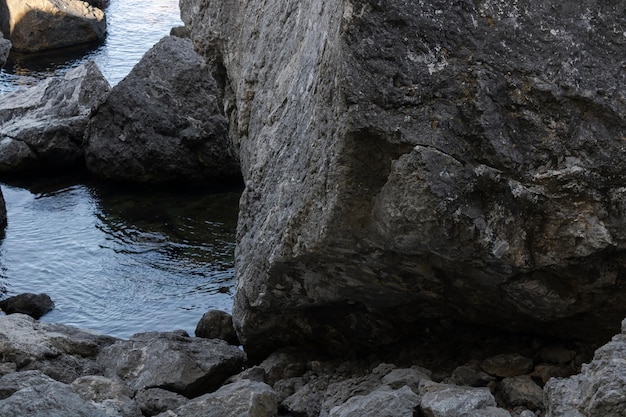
(5, 47)
(38, 25)
(409, 161)
(42, 127)
(163, 123)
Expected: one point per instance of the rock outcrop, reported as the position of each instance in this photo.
(407, 161)
(37, 25)
(34, 305)
(163, 123)
(42, 127)
(5, 48)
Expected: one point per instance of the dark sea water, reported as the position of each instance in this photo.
(116, 261)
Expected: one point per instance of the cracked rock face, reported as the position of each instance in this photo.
(407, 161)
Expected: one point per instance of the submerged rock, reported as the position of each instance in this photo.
(34, 305)
(42, 127)
(407, 161)
(163, 123)
(37, 25)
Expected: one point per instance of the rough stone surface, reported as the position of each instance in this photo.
(5, 48)
(380, 403)
(34, 305)
(414, 160)
(48, 399)
(216, 324)
(157, 400)
(173, 361)
(489, 412)
(61, 352)
(36, 25)
(163, 123)
(113, 398)
(520, 391)
(598, 390)
(507, 365)
(243, 398)
(42, 127)
(442, 400)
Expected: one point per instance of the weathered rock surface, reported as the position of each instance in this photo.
(163, 123)
(216, 324)
(43, 126)
(36, 25)
(61, 352)
(172, 361)
(5, 48)
(34, 305)
(599, 389)
(113, 398)
(442, 400)
(414, 160)
(381, 403)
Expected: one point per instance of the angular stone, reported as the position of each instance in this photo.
(488, 412)
(380, 403)
(242, 398)
(42, 127)
(407, 161)
(163, 123)
(470, 376)
(5, 48)
(59, 23)
(172, 361)
(109, 396)
(521, 391)
(507, 365)
(61, 352)
(442, 400)
(216, 324)
(156, 400)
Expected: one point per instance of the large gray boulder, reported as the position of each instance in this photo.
(42, 127)
(171, 361)
(407, 161)
(37, 25)
(598, 390)
(163, 123)
(5, 47)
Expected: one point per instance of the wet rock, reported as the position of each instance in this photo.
(243, 398)
(458, 163)
(47, 398)
(163, 123)
(520, 391)
(157, 400)
(59, 23)
(34, 305)
(598, 390)
(442, 400)
(216, 324)
(42, 127)
(5, 47)
(380, 403)
(113, 398)
(507, 365)
(61, 352)
(173, 361)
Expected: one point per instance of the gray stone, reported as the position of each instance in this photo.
(507, 365)
(242, 398)
(42, 127)
(410, 377)
(163, 123)
(156, 400)
(5, 48)
(172, 361)
(401, 402)
(488, 412)
(113, 398)
(34, 305)
(442, 400)
(61, 352)
(15, 381)
(470, 376)
(598, 390)
(48, 399)
(216, 324)
(521, 391)
(408, 160)
(59, 23)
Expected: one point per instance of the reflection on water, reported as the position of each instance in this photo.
(133, 27)
(121, 262)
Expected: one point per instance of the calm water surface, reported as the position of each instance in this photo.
(116, 261)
